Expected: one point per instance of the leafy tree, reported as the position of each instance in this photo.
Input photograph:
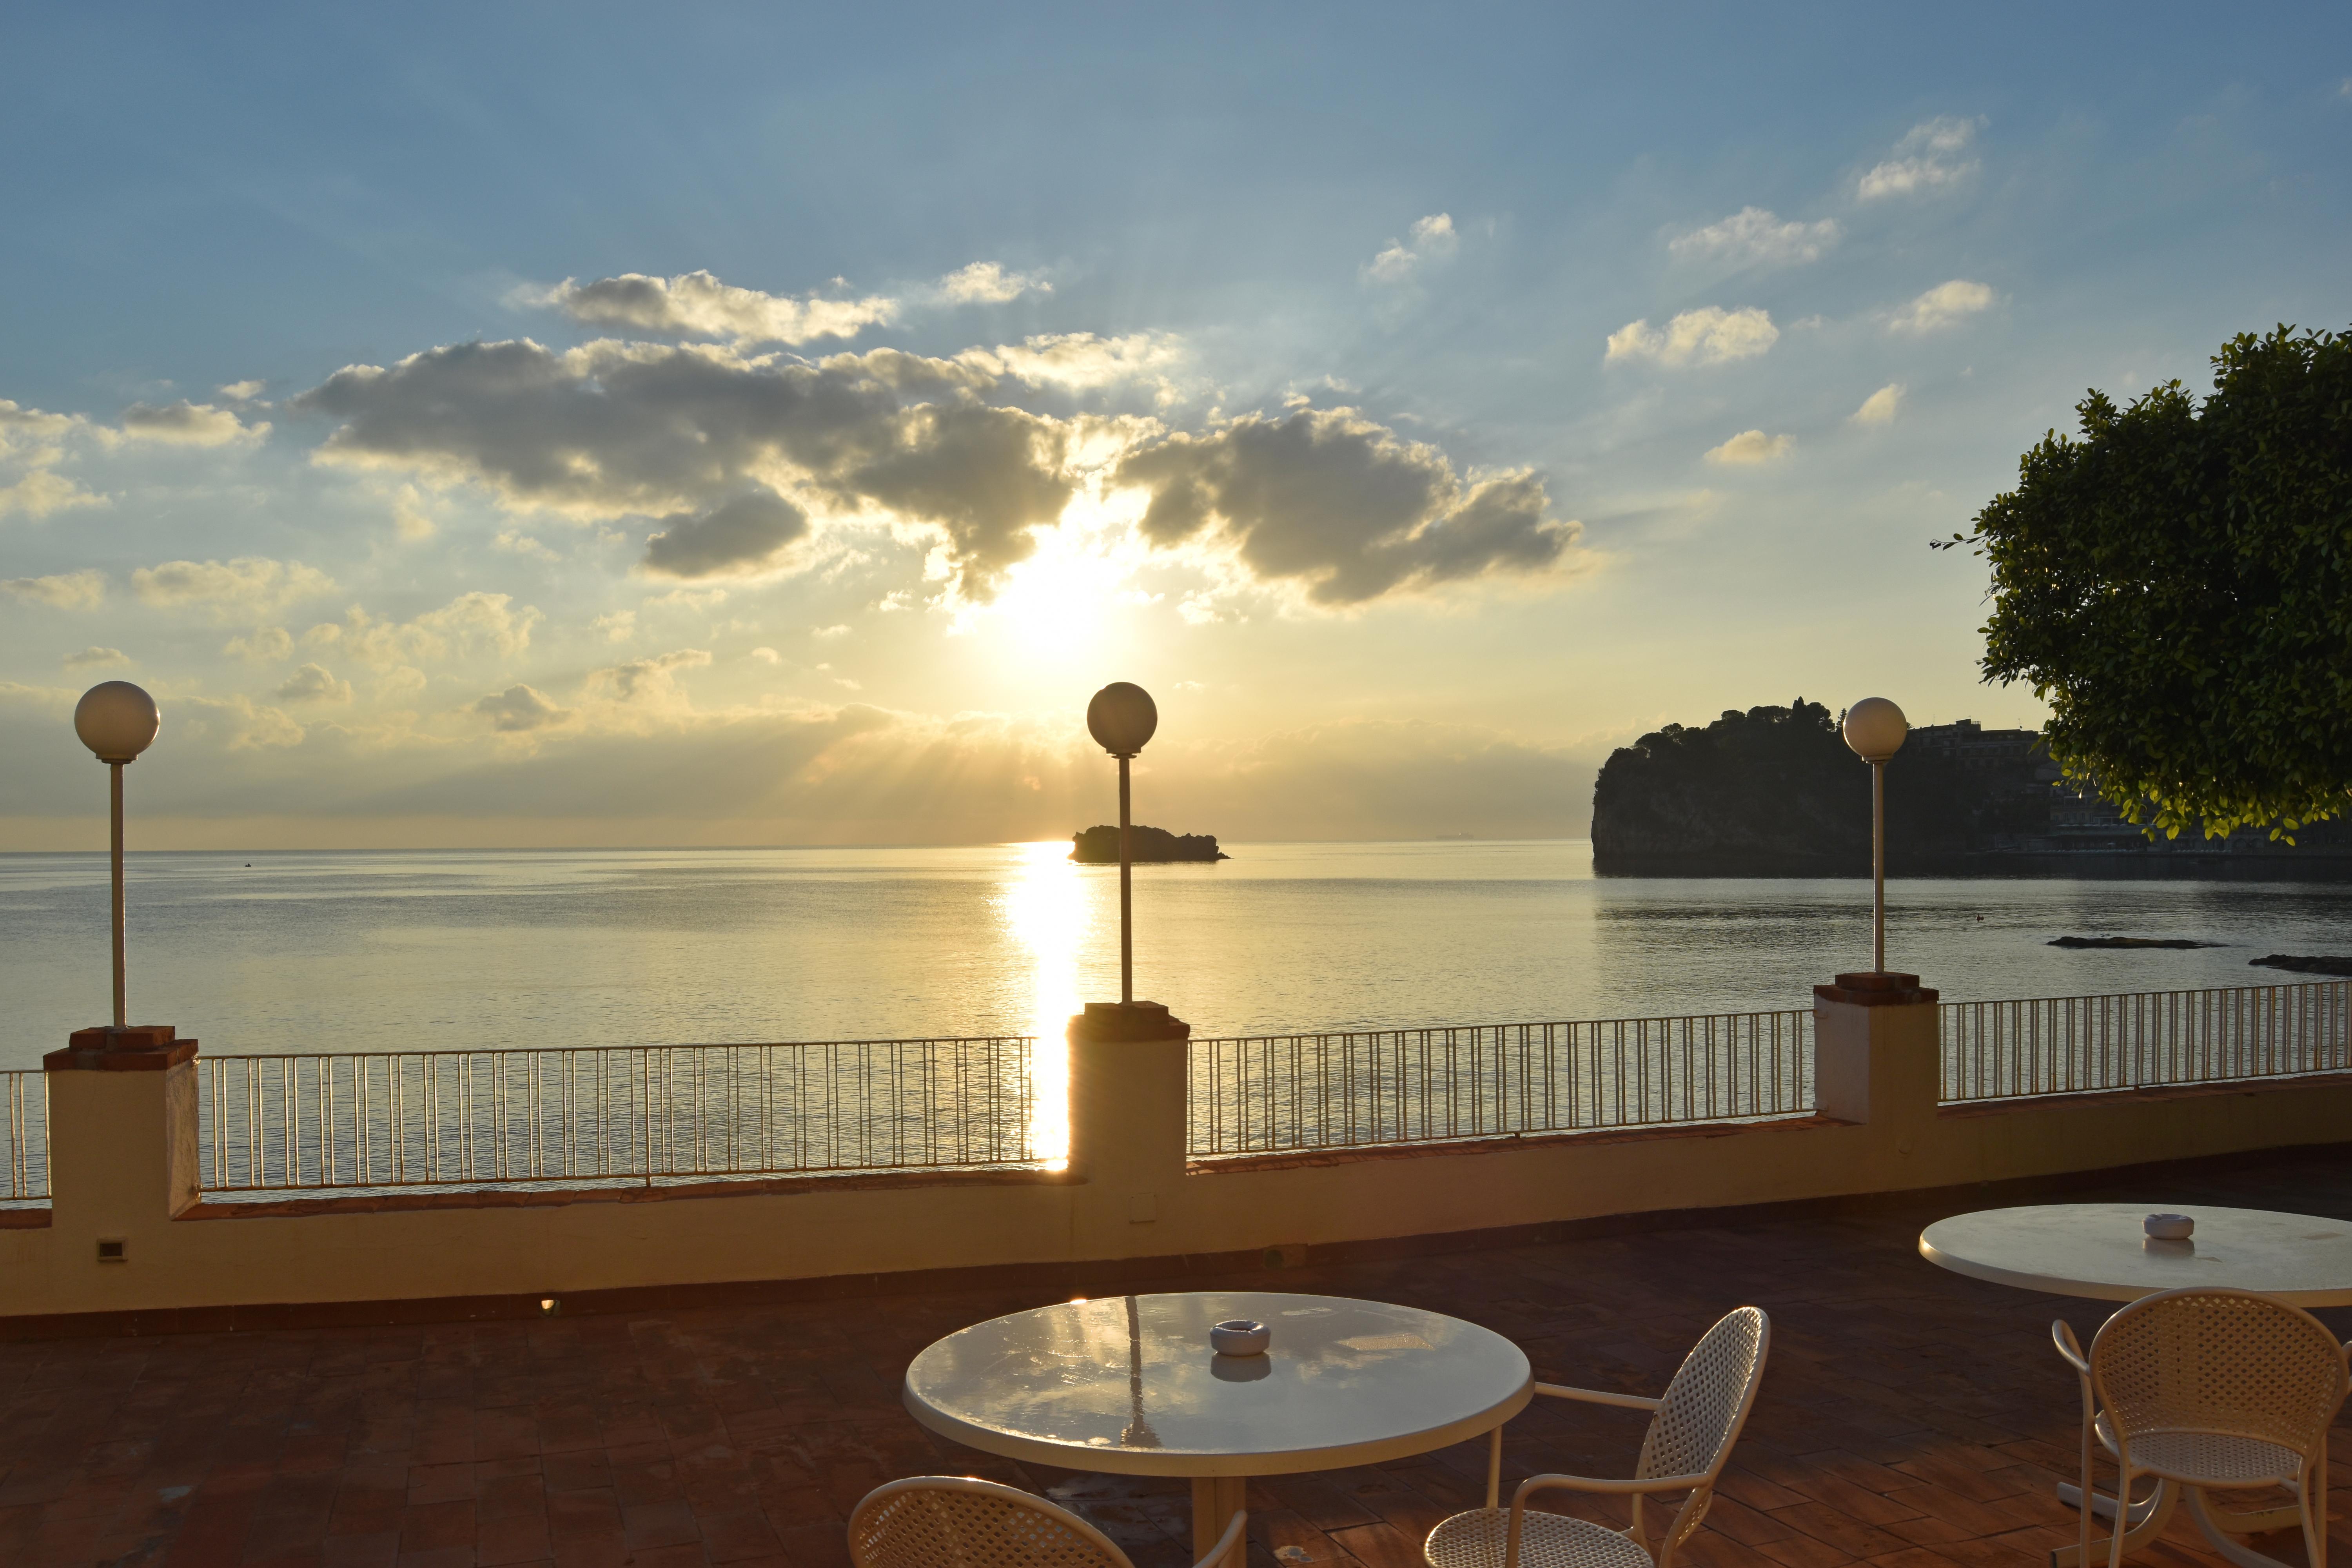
(2177, 584)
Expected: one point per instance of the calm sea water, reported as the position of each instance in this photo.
(442, 950)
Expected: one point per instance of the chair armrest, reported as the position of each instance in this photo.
(1615, 1489)
(1225, 1542)
(1595, 1396)
(2062, 1334)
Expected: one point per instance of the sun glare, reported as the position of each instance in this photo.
(1046, 908)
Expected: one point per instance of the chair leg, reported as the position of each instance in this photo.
(2313, 1495)
(2123, 1495)
(1494, 1468)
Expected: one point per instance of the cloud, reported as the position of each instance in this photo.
(987, 283)
(242, 390)
(697, 305)
(618, 627)
(246, 586)
(1945, 305)
(476, 625)
(1753, 236)
(95, 658)
(186, 424)
(410, 520)
(1081, 362)
(1750, 448)
(765, 656)
(1433, 240)
(612, 430)
(740, 534)
(520, 709)
(84, 590)
(36, 441)
(647, 685)
(1337, 505)
(1880, 406)
(841, 631)
(263, 645)
(1927, 160)
(1710, 335)
(314, 683)
(236, 724)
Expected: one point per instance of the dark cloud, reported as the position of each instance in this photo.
(620, 429)
(520, 709)
(738, 534)
(1340, 505)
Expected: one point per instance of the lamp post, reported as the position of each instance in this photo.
(117, 720)
(1875, 728)
(1122, 717)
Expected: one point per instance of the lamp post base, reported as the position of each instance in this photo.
(1874, 988)
(135, 1047)
(1128, 1021)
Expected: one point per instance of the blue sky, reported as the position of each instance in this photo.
(1420, 402)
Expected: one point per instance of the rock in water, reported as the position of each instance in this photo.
(2301, 965)
(2129, 941)
(1099, 846)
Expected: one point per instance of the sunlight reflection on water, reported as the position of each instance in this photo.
(1046, 907)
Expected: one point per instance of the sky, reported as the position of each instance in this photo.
(589, 424)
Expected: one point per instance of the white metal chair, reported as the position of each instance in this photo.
(2209, 1387)
(962, 1521)
(1690, 1437)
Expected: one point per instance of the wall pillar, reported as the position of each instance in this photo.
(122, 1146)
(1878, 1062)
(1128, 1146)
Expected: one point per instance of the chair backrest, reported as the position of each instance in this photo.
(1708, 1400)
(2218, 1361)
(961, 1522)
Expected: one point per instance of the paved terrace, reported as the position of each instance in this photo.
(1910, 1418)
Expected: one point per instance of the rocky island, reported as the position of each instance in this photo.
(1774, 791)
(1099, 846)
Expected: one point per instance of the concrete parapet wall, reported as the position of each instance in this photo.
(122, 1146)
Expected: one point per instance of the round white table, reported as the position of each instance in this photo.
(1128, 1385)
(2101, 1251)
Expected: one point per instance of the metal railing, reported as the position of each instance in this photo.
(1272, 1093)
(615, 1115)
(2077, 1045)
(24, 1139)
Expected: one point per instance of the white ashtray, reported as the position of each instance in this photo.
(2169, 1227)
(1241, 1336)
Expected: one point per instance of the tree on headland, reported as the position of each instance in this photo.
(2176, 585)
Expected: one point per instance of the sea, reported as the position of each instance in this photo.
(307, 952)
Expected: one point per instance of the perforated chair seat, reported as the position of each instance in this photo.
(2216, 1459)
(1476, 1539)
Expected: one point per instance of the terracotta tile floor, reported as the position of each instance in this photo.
(1910, 1419)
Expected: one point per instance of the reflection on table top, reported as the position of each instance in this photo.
(1129, 1384)
(2099, 1250)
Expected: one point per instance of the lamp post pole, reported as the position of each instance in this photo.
(122, 1013)
(1126, 892)
(1122, 719)
(1875, 730)
(116, 722)
(1878, 867)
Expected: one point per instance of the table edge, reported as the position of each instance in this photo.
(1284, 1462)
(2101, 1290)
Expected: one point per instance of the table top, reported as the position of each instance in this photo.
(2099, 1250)
(1128, 1385)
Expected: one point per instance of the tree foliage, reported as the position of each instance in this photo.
(2176, 585)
